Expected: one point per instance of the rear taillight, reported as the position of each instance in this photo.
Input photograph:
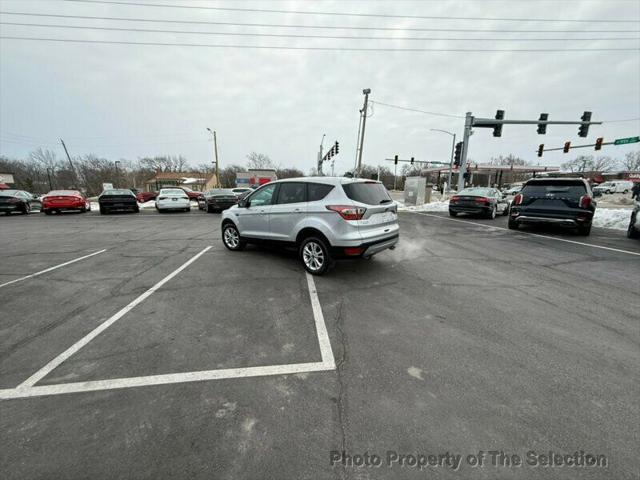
(484, 200)
(585, 201)
(353, 251)
(348, 212)
(14, 200)
(517, 200)
(455, 198)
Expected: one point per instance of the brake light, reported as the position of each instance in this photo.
(585, 201)
(353, 251)
(348, 212)
(517, 200)
(484, 200)
(455, 199)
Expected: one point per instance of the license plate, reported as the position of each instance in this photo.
(384, 217)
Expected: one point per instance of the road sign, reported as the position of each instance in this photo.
(624, 141)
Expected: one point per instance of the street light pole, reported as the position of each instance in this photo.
(320, 155)
(453, 148)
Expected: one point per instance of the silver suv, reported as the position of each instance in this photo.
(323, 217)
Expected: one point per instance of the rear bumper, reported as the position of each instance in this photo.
(469, 208)
(365, 249)
(119, 205)
(568, 219)
(66, 206)
(10, 207)
(171, 205)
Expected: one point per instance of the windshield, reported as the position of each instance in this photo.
(220, 191)
(117, 192)
(172, 191)
(475, 191)
(569, 188)
(371, 193)
(63, 192)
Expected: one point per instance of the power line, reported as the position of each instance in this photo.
(351, 14)
(336, 37)
(416, 110)
(342, 49)
(328, 27)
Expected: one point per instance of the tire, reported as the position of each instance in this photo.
(46, 212)
(631, 231)
(626, 191)
(491, 214)
(452, 213)
(187, 209)
(584, 230)
(103, 211)
(505, 212)
(315, 256)
(26, 209)
(231, 238)
(136, 209)
(512, 224)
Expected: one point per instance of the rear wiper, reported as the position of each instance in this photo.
(386, 201)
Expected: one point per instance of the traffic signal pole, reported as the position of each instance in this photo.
(468, 123)
(497, 123)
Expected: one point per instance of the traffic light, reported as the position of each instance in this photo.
(412, 160)
(584, 129)
(395, 160)
(337, 147)
(599, 143)
(567, 146)
(497, 129)
(458, 154)
(542, 129)
(540, 149)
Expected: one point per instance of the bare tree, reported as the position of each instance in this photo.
(259, 161)
(509, 160)
(631, 161)
(46, 158)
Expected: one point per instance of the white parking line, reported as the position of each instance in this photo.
(28, 388)
(185, 377)
(51, 268)
(44, 371)
(530, 233)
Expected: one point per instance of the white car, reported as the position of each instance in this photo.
(172, 199)
(513, 190)
(617, 186)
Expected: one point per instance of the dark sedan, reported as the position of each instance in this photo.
(118, 199)
(18, 201)
(217, 199)
(487, 202)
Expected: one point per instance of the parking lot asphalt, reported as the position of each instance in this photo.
(468, 337)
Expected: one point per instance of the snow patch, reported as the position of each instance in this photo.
(438, 206)
(615, 218)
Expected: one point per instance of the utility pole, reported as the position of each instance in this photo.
(117, 173)
(366, 92)
(215, 154)
(73, 170)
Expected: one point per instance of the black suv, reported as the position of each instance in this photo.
(561, 201)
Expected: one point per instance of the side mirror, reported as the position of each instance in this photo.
(244, 203)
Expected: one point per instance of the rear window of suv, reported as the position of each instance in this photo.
(371, 193)
(555, 189)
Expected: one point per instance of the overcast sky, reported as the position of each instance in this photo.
(129, 101)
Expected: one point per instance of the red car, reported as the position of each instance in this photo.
(146, 196)
(192, 194)
(59, 200)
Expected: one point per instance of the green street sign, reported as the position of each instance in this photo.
(624, 141)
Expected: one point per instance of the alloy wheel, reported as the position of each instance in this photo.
(313, 256)
(231, 237)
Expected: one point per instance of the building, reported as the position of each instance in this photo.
(193, 180)
(6, 180)
(255, 177)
